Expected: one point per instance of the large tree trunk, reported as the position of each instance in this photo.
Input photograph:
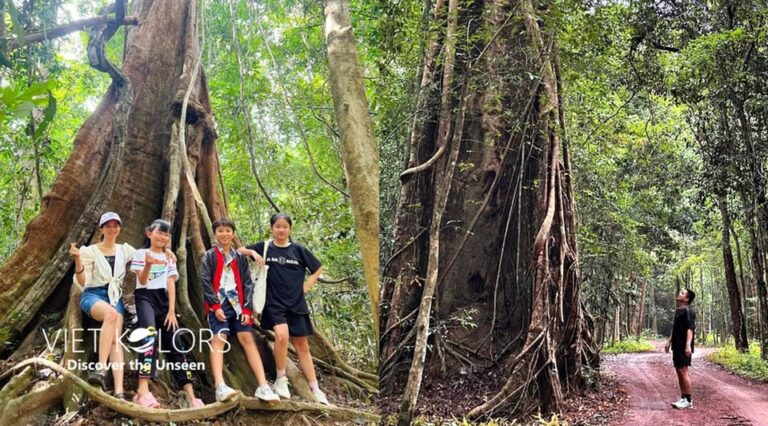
(485, 228)
(742, 284)
(737, 316)
(360, 153)
(147, 151)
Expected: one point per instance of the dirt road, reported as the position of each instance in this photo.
(719, 398)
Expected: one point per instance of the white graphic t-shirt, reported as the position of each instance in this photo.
(158, 273)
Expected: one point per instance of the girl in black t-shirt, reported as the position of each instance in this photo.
(285, 310)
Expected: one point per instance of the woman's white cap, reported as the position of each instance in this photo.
(106, 217)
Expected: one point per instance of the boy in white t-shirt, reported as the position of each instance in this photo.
(155, 297)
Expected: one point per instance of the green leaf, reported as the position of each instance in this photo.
(22, 110)
(36, 93)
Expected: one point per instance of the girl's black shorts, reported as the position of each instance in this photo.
(298, 324)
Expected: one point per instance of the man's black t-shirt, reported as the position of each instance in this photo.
(685, 319)
(285, 278)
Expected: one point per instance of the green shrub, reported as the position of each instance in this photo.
(748, 365)
(629, 346)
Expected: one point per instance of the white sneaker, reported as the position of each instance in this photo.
(320, 397)
(281, 387)
(679, 401)
(224, 393)
(264, 393)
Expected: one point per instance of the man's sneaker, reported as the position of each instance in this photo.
(320, 397)
(264, 393)
(224, 393)
(679, 401)
(281, 388)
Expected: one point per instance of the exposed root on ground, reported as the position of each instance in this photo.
(51, 392)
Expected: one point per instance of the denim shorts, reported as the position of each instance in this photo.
(92, 295)
(231, 323)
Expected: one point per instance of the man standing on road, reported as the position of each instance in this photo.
(681, 341)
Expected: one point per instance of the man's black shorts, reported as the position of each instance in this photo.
(680, 360)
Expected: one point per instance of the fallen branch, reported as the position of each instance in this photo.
(210, 410)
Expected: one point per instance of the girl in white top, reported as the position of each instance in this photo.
(155, 297)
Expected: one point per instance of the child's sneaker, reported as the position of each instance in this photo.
(148, 400)
(264, 393)
(683, 404)
(97, 377)
(197, 403)
(281, 388)
(224, 393)
(320, 397)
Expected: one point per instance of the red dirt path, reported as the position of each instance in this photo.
(719, 398)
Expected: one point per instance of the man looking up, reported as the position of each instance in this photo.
(681, 342)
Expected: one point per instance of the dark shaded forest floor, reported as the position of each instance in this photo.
(443, 400)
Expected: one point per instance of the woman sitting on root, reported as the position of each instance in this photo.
(100, 268)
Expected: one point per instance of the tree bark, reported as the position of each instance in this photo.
(737, 317)
(743, 285)
(639, 328)
(360, 152)
(503, 251)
